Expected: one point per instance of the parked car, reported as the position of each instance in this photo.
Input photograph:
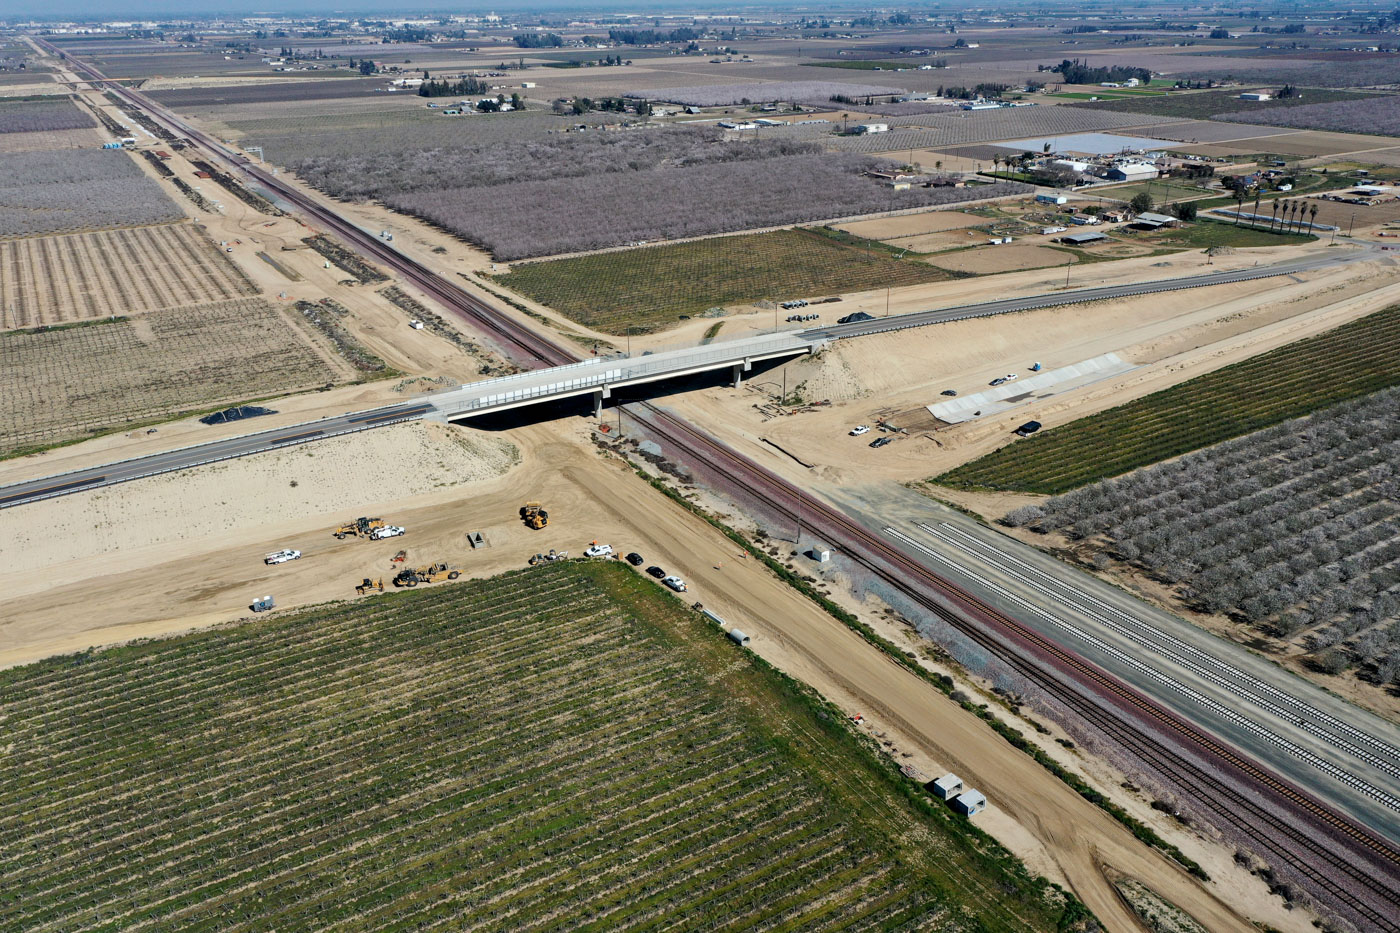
(656, 572)
(999, 380)
(598, 550)
(1027, 429)
(282, 556)
(860, 429)
(881, 442)
(388, 531)
(675, 583)
(949, 392)
(634, 559)
(1011, 377)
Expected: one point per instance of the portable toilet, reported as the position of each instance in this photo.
(970, 802)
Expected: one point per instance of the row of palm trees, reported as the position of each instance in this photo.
(1292, 211)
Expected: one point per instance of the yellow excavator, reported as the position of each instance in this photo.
(433, 573)
(534, 516)
(360, 527)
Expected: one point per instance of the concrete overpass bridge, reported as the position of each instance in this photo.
(599, 376)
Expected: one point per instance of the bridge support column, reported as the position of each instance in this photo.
(598, 397)
(739, 370)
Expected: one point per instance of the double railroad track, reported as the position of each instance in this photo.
(1359, 871)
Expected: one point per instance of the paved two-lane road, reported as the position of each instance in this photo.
(185, 457)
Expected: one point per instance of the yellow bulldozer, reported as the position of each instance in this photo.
(370, 586)
(360, 527)
(433, 573)
(534, 516)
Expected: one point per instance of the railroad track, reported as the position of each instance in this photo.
(1315, 851)
(1359, 744)
(1373, 895)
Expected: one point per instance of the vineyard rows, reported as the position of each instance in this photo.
(1295, 529)
(649, 287)
(560, 747)
(77, 189)
(57, 280)
(1353, 360)
(71, 382)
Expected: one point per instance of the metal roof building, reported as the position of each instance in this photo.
(1079, 239)
(1149, 219)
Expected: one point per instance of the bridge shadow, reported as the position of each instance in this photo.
(581, 406)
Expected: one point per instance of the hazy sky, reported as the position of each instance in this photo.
(148, 9)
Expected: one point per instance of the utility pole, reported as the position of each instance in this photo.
(1068, 263)
(887, 301)
(1351, 223)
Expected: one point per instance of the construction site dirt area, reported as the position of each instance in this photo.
(886, 228)
(1014, 257)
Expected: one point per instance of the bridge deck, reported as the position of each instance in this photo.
(601, 375)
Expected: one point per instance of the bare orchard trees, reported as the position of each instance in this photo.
(1294, 529)
(489, 161)
(77, 189)
(42, 116)
(559, 215)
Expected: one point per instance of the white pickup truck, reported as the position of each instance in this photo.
(388, 531)
(282, 556)
(598, 550)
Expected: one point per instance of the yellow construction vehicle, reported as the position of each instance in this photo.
(433, 573)
(370, 586)
(534, 516)
(360, 527)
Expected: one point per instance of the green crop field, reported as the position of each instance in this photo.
(1202, 105)
(1205, 233)
(649, 288)
(1348, 362)
(566, 747)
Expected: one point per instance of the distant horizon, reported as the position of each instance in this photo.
(75, 10)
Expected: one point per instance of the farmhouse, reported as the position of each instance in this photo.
(1256, 95)
(863, 128)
